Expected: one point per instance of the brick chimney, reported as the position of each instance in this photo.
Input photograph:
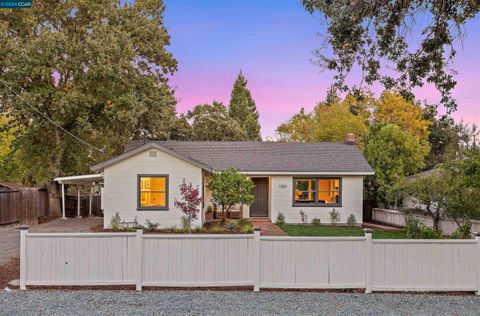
(350, 139)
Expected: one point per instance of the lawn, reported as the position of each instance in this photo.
(338, 231)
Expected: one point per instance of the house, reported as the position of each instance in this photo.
(143, 182)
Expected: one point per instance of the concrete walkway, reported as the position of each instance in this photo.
(10, 235)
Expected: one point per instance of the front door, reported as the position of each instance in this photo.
(259, 208)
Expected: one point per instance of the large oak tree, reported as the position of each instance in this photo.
(96, 68)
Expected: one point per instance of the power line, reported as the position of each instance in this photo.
(103, 150)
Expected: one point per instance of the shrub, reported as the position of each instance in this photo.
(185, 222)
(416, 229)
(115, 222)
(334, 216)
(463, 231)
(303, 216)
(171, 229)
(247, 228)
(151, 226)
(231, 225)
(131, 229)
(316, 221)
(209, 209)
(198, 229)
(280, 219)
(351, 220)
(243, 222)
(217, 229)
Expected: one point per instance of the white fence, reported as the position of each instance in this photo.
(396, 218)
(249, 260)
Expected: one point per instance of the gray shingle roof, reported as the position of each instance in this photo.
(270, 156)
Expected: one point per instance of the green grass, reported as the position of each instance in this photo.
(338, 231)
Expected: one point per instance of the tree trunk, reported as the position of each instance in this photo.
(53, 193)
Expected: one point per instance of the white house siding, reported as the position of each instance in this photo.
(120, 187)
(282, 197)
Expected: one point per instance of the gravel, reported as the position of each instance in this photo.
(55, 302)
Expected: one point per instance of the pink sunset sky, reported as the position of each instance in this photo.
(273, 43)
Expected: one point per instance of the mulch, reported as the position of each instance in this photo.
(100, 229)
(9, 271)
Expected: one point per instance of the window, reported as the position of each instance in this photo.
(317, 192)
(152, 192)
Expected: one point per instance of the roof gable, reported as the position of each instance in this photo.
(144, 147)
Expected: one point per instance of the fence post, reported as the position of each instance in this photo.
(23, 257)
(369, 260)
(256, 259)
(138, 260)
(477, 238)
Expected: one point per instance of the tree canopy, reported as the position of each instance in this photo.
(394, 154)
(242, 108)
(212, 122)
(373, 35)
(98, 70)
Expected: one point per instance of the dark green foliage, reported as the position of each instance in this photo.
(243, 109)
(416, 229)
(373, 35)
(98, 69)
(212, 122)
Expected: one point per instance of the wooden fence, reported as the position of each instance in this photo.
(249, 260)
(397, 219)
(24, 205)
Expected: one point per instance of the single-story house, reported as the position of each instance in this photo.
(143, 182)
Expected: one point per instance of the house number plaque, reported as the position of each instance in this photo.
(282, 186)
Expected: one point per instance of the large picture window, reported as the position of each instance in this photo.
(317, 192)
(152, 192)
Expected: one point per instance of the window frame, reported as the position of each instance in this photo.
(153, 208)
(317, 190)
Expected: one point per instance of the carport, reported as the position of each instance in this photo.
(81, 180)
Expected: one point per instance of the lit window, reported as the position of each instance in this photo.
(153, 192)
(317, 192)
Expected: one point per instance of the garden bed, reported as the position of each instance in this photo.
(217, 227)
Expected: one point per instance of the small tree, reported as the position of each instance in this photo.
(230, 187)
(191, 200)
(429, 191)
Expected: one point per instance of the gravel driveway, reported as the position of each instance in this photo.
(36, 302)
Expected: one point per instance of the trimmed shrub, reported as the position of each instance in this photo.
(416, 229)
(231, 225)
(280, 219)
(316, 221)
(334, 216)
(463, 231)
(351, 220)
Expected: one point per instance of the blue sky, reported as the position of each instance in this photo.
(273, 43)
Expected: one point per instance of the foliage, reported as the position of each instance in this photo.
(351, 220)
(115, 222)
(280, 219)
(230, 187)
(189, 205)
(442, 137)
(212, 122)
(461, 198)
(149, 225)
(327, 123)
(245, 225)
(371, 35)
(393, 154)
(393, 108)
(416, 229)
(303, 216)
(98, 70)
(316, 221)
(463, 231)
(216, 229)
(185, 224)
(334, 216)
(231, 225)
(209, 208)
(242, 108)
(428, 190)
(10, 165)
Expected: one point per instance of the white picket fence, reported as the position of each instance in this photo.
(249, 260)
(397, 219)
